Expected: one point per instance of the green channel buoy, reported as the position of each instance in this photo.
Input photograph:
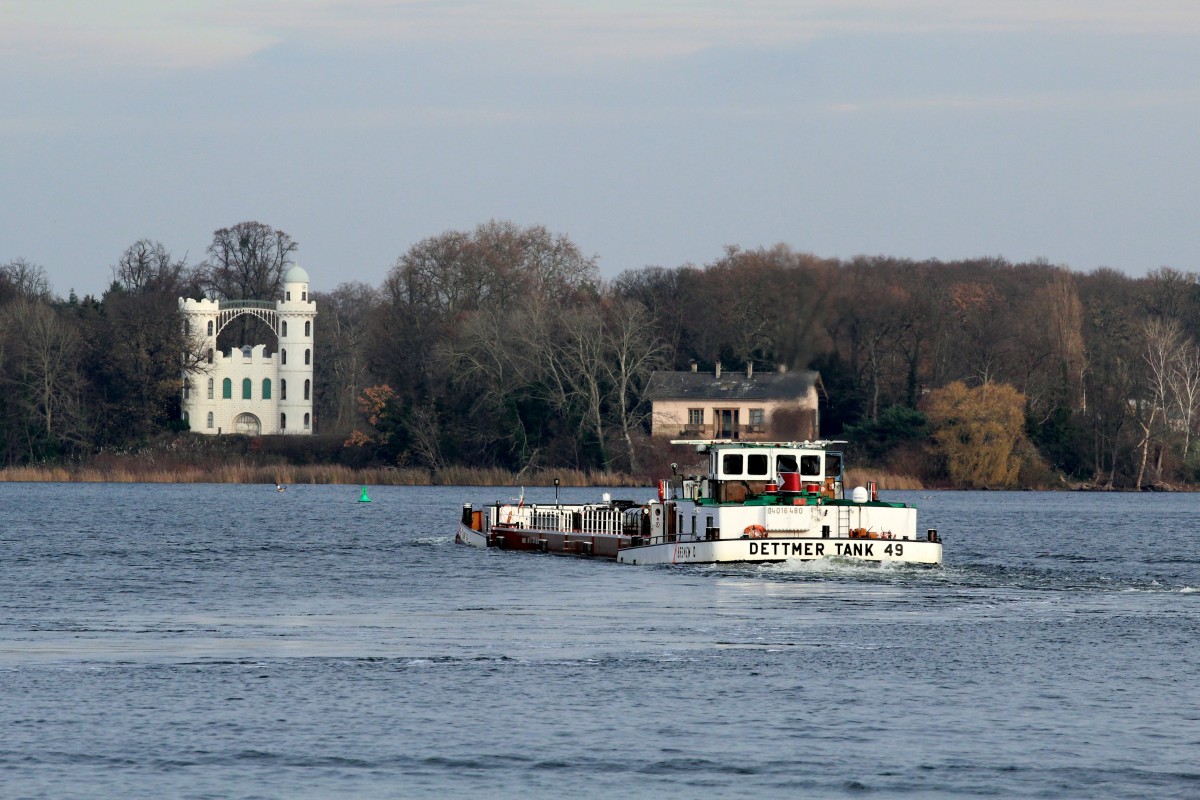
(364, 498)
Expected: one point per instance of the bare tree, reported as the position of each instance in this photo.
(22, 279)
(148, 267)
(247, 262)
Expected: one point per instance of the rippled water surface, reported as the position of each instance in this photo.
(234, 642)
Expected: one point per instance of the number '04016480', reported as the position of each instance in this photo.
(896, 549)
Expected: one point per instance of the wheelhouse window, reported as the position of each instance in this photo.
(731, 464)
(810, 466)
(833, 465)
(757, 464)
(786, 462)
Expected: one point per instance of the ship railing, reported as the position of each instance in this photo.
(601, 520)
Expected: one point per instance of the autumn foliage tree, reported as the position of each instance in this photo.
(977, 432)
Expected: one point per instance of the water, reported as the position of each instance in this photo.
(234, 642)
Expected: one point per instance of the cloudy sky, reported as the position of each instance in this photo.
(652, 132)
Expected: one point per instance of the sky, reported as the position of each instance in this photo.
(650, 133)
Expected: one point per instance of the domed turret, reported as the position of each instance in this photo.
(295, 274)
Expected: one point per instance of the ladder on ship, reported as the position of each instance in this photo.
(843, 521)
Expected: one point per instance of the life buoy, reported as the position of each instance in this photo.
(755, 532)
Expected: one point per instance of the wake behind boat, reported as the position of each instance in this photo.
(758, 502)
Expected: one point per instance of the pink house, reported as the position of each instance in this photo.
(771, 406)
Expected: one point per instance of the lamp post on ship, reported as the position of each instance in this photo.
(556, 492)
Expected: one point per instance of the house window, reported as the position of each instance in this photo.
(283, 328)
(210, 419)
(246, 384)
(695, 417)
(306, 389)
(307, 357)
(210, 388)
(227, 389)
(757, 417)
(282, 389)
(308, 329)
(266, 393)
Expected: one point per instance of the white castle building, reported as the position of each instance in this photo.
(249, 390)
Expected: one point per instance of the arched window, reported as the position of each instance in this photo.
(266, 389)
(246, 384)
(283, 328)
(210, 390)
(283, 356)
(304, 295)
(307, 328)
(210, 419)
(307, 357)
(283, 422)
(185, 416)
(210, 355)
(187, 326)
(227, 389)
(306, 422)
(210, 327)
(305, 389)
(282, 389)
(187, 390)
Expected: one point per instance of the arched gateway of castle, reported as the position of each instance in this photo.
(249, 390)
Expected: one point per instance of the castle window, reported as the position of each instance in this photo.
(210, 355)
(210, 419)
(287, 296)
(210, 388)
(185, 416)
(306, 422)
(307, 357)
(304, 295)
(283, 356)
(210, 327)
(283, 422)
(187, 390)
(266, 393)
(246, 384)
(306, 385)
(227, 389)
(187, 326)
(308, 328)
(283, 328)
(282, 389)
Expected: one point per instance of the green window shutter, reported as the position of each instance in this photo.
(227, 389)
(246, 384)
(266, 395)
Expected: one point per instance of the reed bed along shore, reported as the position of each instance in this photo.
(312, 474)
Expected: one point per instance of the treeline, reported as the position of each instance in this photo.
(502, 347)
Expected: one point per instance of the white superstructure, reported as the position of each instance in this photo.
(252, 390)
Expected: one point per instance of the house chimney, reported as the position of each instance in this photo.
(718, 369)
(693, 365)
(749, 370)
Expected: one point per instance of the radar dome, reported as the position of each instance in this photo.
(860, 494)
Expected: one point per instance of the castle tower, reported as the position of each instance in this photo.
(250, 390)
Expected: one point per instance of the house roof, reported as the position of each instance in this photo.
(732, 385)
